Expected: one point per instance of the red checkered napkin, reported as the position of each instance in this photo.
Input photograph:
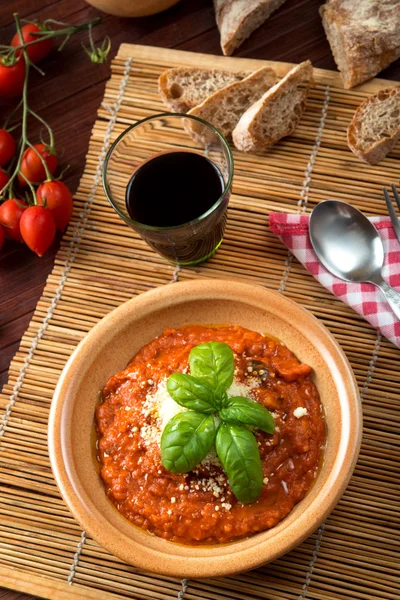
(364, 298)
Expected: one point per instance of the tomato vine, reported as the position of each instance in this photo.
(16, 60)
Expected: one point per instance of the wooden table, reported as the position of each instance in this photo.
(69, 94)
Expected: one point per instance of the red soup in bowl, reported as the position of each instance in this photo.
(201, 505)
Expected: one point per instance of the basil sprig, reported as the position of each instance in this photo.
(189, 436)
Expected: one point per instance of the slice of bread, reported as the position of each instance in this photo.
(364, 36)
(237, 19)
(224, 108)
(375, 127)
(184, 88)
(277, 113)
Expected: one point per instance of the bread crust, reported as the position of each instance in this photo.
(375, 152)
(245, 136)
(218, 108)
(364, 36)
(237, 19)
(183, 88)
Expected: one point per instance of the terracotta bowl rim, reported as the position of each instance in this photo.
(259, 553)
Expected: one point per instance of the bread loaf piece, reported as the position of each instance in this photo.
(375, 127)
(364, 36)
(183, 88)
(225, 107)
(277, 113)
(237, 19)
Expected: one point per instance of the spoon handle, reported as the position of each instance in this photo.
(391, 296)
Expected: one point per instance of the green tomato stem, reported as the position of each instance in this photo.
(32, 189)
(24, 141)
(49, 129)
(51, 34)
(25, 110)
(12, 113)
(93, 47)
(38, 69)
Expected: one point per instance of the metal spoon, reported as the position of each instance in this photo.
(349, 246)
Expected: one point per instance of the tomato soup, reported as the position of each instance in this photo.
(199, 507)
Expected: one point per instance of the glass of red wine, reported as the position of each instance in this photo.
(169, 178)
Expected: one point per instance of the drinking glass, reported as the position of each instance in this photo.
(188, 243)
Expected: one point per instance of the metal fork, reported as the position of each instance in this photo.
(391, 208)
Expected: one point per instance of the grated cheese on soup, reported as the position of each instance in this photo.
(242, 389)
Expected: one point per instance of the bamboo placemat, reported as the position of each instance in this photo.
(355, 554)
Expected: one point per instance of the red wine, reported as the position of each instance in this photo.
(170, 192)
(173, 188)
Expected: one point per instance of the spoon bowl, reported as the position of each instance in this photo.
(349, 246)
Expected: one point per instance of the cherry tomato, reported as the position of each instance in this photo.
(36, 52)
(2, 237)
(12, 78)
(4, 178)
(32, 166)
(10, 216)
(7, 146)
(55, 196)
(38, 228)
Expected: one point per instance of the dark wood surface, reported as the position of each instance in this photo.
(72, 89)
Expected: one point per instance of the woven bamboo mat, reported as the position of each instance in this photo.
(355, 554)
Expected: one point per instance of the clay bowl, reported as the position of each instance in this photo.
(108, 348)
(132, 8)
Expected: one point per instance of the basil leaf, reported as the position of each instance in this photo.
(185, 441)
(243, 410)
(191, 393)
(213, 363)
(238, 452)
(222, 400)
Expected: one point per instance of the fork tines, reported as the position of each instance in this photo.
(391, 208)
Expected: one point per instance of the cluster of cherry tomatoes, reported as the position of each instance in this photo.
(12, 77)
(36, 224)
(32, 220)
